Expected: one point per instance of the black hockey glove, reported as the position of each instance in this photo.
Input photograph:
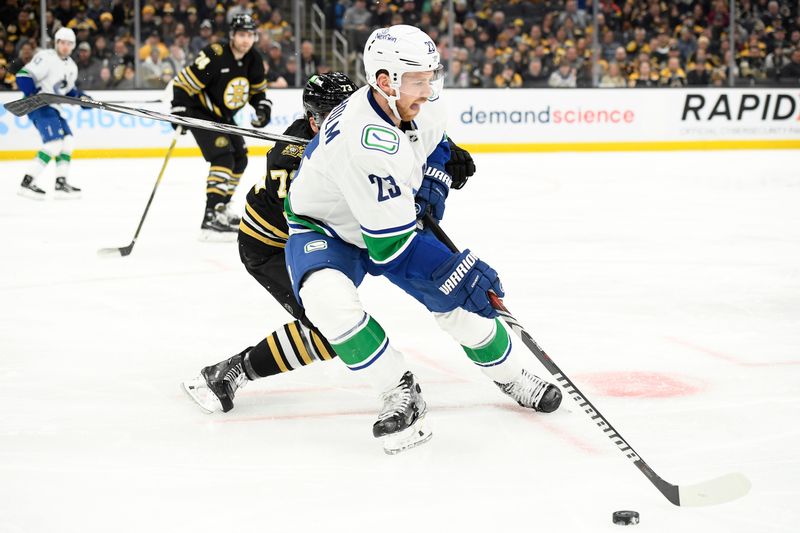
(263, 114)
(461, 166)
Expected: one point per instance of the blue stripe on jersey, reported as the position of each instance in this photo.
(378, 109)
(397, 229)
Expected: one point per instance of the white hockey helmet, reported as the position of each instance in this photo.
(398, 50)
(65, 34)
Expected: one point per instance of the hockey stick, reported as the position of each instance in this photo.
(26, 105)
(126, 250)
(714, 491)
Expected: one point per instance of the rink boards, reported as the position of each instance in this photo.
(484, 120)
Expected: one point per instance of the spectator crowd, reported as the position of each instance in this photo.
(512, 43)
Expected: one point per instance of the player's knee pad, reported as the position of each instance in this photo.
(331, 302)
(468, 329)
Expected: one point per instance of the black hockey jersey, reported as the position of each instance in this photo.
(219, 83)
(263, 222)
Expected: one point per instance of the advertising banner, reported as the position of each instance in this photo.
(485, 120)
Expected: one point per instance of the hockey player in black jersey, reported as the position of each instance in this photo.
(220, 81)
(263, 232)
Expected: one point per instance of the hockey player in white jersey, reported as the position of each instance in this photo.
(376, 165)
(51, 71)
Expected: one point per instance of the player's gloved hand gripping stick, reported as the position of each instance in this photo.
(714, 491)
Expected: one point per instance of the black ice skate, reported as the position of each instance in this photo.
(401, 421)
(28, 189)
(533, 392)
(216, 225)
(216, 386)
(66, 191)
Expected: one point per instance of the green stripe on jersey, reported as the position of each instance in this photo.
(297, 219)
(362, 345)
(381, 249)
(492, 350)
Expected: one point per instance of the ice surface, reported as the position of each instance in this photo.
(666, 285)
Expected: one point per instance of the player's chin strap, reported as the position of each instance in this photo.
(391, 100)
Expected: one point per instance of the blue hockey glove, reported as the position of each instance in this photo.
(467, 280)
(432, 193)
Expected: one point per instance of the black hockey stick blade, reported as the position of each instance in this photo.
(26, 105)
(711, 492)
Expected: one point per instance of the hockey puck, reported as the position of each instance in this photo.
(625, 518)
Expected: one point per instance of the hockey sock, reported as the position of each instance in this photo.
(64, 158)
(62, 165)
(365, 348)
(43, 157)
(232, 184)
(288, 348)
(218, 186)
(492, 356)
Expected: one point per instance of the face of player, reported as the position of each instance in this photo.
(64, 48)
(416, 88)
(242, 41)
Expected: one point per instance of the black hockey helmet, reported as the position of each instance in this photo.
(242, 22)
(323, 92)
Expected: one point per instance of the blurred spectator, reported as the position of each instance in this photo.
(613, 78)
(7, 80)
(277, 65)
(107, 28)
(262, 11)
(88, 66)
(220, 21)
(457, 77)
(156, 72)
(128, 80)
(291, 72)
(64, 12)
(774, 62)
(25, 27)
(275, 26)
(240, 7)
(699, 76)
(536, 76)
(153, 42)
(673, 75)
(644, 76)
(176, 58)
(105, 81)
(357, 25)
(168, 24)
(81, 19)
(409, 13)
(508, 78)
(101, 51)
(121, 55)
(52, 24)
(191, 22)
(791, 72)
(149, 25)
(24, 56)
(563, 77)
(309, 60)
(571, 11)
(204, 39)
(274, 80)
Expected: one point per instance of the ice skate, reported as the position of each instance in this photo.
(215, 227)
(216, 386)
(28, 189)
(64, 190)
(532, 392)
(401, 422)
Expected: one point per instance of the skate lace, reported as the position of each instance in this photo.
(236, 376)
(527, 390)
(395, 401)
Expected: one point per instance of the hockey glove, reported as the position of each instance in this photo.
(181, 112)
(461, 166)
(467, 280)
(263, 114)
(432, 193)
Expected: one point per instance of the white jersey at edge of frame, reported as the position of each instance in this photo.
(366, 178)
(50, 73)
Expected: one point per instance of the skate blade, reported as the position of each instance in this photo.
(66, 195)
(416, 435)
(218, 236)
(27, 193)
(199, 392)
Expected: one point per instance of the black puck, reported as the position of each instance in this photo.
(625, 518)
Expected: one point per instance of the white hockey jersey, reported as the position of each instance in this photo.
(359, 176)
(50, 73)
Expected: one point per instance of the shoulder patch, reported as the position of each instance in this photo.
(293, 150)
(380, 138)
(217, 48)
